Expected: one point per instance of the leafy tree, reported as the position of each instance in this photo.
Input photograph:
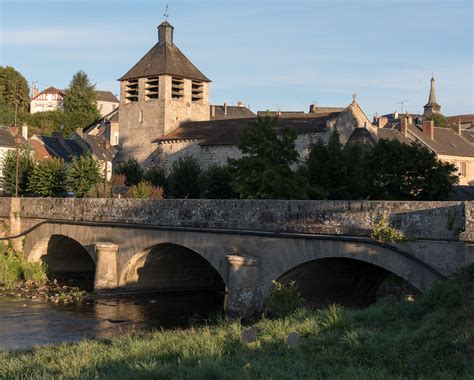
(438, 119)
(156, 176)
(408, 172)
(83, 175)
(24, 172)
(132, 171)
(48, 178)
(217, 183)
(46, 123)
(265, 171)
(183, 180)
(80, 102)
(14, 89)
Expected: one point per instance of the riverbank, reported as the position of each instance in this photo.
(432, 337)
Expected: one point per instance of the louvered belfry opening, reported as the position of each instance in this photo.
(131, 91)
(197, 91)
(152, 88)
(177, 88)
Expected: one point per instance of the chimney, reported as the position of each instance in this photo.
(225, 109)
(165, 33)
(395, 115)
(24, 131)
(383, 121)
(80, 132)
(404, 125)
(456, 127)
(213, 111)
(428, 129)
(312, 108)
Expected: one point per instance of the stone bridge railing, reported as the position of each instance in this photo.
(452, 221)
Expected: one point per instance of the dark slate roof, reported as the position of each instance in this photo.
(165, 58)
(233, 112)
(96, 144)
(389, 134)
(468, 135)
(61, 147)
(7, 140)
(226, 132)
(460, 118)
(112, 117)
(106, 96)
(361, 136)
(301, 115)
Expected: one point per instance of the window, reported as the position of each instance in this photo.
(131, 91)
(116, 138)
(140, 116)
(463, 169)
(151, 88)
(177, 88)
(197, 91)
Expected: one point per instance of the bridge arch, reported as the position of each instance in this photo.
(170, 266)
(66, 259)
(332, 267)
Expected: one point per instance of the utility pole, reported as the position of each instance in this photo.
(17, 179)
(402, 102)
(106, 149)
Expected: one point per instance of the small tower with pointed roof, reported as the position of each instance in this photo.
(432, 106)
(159, 92)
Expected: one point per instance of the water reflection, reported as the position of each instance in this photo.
(24, 324)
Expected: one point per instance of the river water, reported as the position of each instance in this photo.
(25, 323)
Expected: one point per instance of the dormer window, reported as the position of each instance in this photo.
(197, 91)
(177, 88)
(152, 88)
(131, 91)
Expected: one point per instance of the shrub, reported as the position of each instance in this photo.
(217, 183)
(83, 175)
(382, 232)
(14, 268)
(284, 299)
(132, 171)
(183, 181)
(146, 190)
(156, 176)
(48, 178)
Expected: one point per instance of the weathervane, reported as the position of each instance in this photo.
(166, 13)
(354, 96)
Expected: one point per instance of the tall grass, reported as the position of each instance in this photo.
(14, 268)
(431, 338)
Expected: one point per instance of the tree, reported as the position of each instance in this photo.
(80, 102)
(132, 171)
(45, 123)
(156, 176)
(14, 89)
(217, 183)
(24, 172)
(83, 175)
(183, 180)
(48, 178)
(264, 171)
(408, 172)
(438, 119)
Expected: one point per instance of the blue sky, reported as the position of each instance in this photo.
(269, 54)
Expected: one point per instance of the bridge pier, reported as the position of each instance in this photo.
(106, 278)
(242, 286)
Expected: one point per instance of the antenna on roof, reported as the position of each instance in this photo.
(166, 13)
(402, 102)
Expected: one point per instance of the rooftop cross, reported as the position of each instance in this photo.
(166, 13)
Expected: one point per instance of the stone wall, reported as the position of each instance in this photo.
(418, 220)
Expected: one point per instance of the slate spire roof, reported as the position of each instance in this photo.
(165, 59)
(432, 104)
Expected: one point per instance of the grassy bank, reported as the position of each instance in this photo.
(431, 338)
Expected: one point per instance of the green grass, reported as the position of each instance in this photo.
(14, 268)
(431, 338)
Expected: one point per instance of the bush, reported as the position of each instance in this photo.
(132, 171)
(25, 169)
(48, 178)
(183, 181)
(146, 190)
(284, 299)
(14, 268)
(217, 183)
(382, 232)
(156, 176)
(83, 175)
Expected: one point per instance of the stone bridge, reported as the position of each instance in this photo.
(241, 246)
